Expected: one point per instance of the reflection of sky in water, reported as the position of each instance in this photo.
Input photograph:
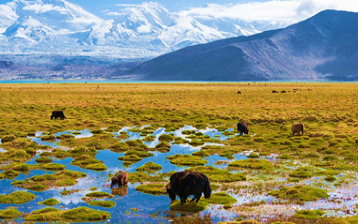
(149, 204)
(146, 204)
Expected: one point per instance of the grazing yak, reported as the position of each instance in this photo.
(238, 92)
(274, 91)
(56, 114)
(297, 128)
(120, 180)
(242, 128)
(187, 183)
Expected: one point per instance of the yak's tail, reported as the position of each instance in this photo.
(207, 190)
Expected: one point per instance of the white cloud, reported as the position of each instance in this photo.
(275, 11)
(42, 8)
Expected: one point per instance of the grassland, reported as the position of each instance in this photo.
(327, 151)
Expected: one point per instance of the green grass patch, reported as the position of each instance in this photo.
(104, 204)
(258, 164)
(309, 214)
(301, 193)
(154, 189)
(219, 175)
(150, 167)
(187, 160)
(99, 194)
(17, 197)
(10, 214)
(49, 202)
(80, 214)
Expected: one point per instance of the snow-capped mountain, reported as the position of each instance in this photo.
(323, 47)
(63, 28)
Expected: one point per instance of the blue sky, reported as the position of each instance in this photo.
(275, 11)
(97, 6)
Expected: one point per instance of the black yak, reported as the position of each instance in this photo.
(297, 128)
(121, 179)
(187, 183)
(242, 128)
(56, 114)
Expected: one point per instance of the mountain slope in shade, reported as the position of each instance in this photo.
(322, 47)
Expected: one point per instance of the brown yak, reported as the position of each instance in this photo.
(297, 128)
(121, 179)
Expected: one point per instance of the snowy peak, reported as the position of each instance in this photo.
(135, 31)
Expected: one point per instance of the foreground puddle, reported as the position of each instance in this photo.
(136, 207)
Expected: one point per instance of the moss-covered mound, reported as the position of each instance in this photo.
(17, 197)
(189, 206)
(301, 172)
(68, 192)
(140, 177)
(221, 198)
(309, 214)
(134, 156)
(154, 189)
(16, 156)
(80, 214)
(166, 138)
(99, 194)
(149, 138)
(46, 181)
(187, 160)
(105, 204)
(13, 170)
(10, 214)
(48, 138)
(179, 141)
(150, 167)
(259, 164)
(44, 210)
(65, 136)
(220, 175)
(49, 202)
(301, 193)
(163, 147)
(9, 174)
(89, 162)
(43, 159)
(195, 142)
(8, 138)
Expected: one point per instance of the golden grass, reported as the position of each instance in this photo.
(28, 107)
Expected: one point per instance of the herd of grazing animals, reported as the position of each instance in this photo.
(185, 183)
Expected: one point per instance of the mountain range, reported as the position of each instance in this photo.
(324, 47)
(143, 31)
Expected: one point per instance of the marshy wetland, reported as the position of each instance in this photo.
(60, 170)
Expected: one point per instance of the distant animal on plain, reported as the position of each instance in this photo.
(120, 180)
(58, 113)
(188, 183)
(120, 191)
(238, 92)
(242, 128)
(297, 128)
(283, 91)
(274, 91)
